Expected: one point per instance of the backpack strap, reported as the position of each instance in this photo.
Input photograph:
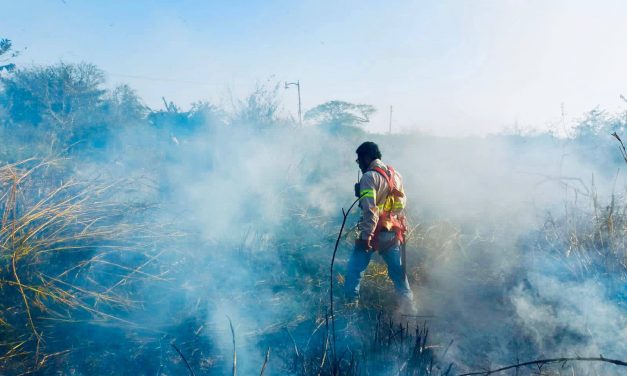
(400, 227)
(388, 178)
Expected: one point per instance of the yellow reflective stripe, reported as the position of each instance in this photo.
(367, 193)
(398, 205)
(385, 205)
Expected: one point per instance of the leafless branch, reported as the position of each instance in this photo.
(265, 362)
(542, 362)
(191, 372)
(234, 352)
(337, 242)
(622, 149)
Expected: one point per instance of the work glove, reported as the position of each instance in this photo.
(365, 244)
(357, 191)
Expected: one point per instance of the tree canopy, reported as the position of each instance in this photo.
(340, 113)
(6, 54)
(69, 101)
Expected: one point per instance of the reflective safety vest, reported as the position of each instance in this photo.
(390, 218)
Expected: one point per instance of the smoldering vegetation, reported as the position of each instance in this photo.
(177, 241)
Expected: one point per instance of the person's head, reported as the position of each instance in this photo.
(366, 153)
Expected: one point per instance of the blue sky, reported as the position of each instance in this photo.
(450, 67)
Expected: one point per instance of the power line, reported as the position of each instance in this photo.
(166, 79)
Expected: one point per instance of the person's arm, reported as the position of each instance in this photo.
(368, 205)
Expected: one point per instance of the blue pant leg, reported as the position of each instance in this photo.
(392, 257)
(357, 264)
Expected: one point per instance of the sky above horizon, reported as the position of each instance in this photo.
(447, 67)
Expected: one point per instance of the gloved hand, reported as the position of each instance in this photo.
(366, 244)
(357, 191)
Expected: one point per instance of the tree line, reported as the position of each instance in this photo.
(66, 105)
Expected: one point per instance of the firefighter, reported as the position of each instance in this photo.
(381, 227)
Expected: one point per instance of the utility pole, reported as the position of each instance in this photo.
(390, 119)
(297, 84)
(625, 99)
(563, 118)
(563, 113)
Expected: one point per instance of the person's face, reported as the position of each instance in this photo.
(363, 163)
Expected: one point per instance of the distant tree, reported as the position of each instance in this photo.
(594, 123)
(340, 113)
(57, 93)
(260, 109)
(6, 54)
(184, 123)
(124, 106)
(66, 98)
(171, 118)
(205, 113)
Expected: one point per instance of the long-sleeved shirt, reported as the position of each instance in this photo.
(375, 190)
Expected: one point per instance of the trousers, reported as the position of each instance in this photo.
(360, 259)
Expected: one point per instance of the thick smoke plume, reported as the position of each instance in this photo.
(517, 246)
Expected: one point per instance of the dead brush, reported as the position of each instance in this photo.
(591, 241)
(373, 343)
(53, 240)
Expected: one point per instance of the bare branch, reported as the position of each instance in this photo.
(265, 362)
(337, 243)
(234, 352)
(543, 362)
(191, 372)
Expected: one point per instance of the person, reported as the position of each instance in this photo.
(381, 227)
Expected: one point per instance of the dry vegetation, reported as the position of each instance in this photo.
(56, 237)
(59, 238)
(83, 261)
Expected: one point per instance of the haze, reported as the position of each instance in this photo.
(447, 67)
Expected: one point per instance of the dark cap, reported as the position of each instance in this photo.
(369, 149)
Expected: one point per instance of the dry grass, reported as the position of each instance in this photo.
(52, 239)
(591, 242)
(371, 343)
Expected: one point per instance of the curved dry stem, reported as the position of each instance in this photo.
(547, 361)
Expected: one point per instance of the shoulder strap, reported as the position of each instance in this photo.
(388, 178)
(393, 182)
